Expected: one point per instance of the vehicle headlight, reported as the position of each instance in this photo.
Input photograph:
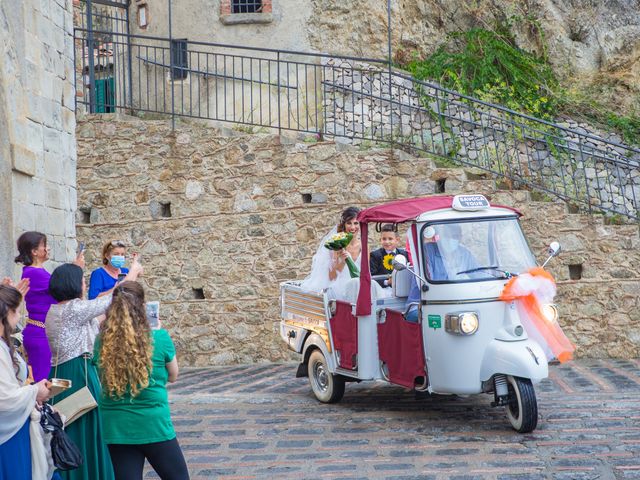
(550, 312)
(464, 323)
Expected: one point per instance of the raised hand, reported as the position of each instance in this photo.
(79, 260)
(23, 286)
(136, 269)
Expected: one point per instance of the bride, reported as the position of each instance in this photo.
(328, 269)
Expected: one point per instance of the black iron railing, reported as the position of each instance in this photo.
(356, 98)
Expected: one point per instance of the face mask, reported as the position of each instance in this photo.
(448, 245)
(117, 261)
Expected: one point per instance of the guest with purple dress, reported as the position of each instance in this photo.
(33, 252)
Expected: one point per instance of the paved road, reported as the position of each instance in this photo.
(260, 422)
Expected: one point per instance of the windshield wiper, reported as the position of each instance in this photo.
(496, 268)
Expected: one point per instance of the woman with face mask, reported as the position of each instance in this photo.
(105, 278)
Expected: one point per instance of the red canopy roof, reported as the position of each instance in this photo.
(407, 209)
(400, 211)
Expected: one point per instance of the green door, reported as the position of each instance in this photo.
(105, 95)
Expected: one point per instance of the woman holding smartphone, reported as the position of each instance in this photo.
(135, 363)
(103, 279)
(33, 253)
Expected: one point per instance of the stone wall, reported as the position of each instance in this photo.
(37, 126)
(224, 215)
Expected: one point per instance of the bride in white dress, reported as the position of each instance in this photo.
(328, 269)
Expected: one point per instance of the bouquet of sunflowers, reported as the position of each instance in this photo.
(338, 242)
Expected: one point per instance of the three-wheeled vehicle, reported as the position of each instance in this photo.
(465, 340)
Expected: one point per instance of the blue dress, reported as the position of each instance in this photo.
(100, 281)
(15, 456)
(15, 452)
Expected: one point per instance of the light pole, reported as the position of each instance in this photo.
(171, 79)
(389, 61)
(389, 31)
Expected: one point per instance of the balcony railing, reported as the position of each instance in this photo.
(360, 99)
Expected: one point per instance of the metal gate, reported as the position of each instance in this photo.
(103, 55)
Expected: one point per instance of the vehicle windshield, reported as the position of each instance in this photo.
(475, 251)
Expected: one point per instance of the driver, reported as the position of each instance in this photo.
(445, 258)
(445, 255)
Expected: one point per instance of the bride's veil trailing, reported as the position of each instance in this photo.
(318, 279)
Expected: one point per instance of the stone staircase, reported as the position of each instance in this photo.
(221, 217)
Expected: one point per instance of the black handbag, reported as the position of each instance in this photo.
(66, 455)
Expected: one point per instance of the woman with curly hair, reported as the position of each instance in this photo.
(135, 363)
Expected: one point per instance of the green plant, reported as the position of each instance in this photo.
(592, 103)
(628, 126)
(488, 64)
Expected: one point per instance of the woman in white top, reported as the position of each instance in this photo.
(17, 400)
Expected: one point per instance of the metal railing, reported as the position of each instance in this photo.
(357, 98)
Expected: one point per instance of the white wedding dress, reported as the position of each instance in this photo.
(318, 280)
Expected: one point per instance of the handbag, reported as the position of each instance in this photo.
(76, 405)
(65, 454)
(79, 402)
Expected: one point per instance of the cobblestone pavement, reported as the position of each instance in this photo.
(259, 421)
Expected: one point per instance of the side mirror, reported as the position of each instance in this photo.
(399, 262)
(554, 249)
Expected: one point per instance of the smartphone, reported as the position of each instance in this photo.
(81, 248)
(153, 314)
(121, 277)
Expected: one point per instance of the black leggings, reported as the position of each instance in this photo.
(165, 457)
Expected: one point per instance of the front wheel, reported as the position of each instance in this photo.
(522, 407)
(327, 387)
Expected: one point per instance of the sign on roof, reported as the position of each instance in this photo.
(470, 202)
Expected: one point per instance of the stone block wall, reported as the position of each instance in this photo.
(221, 217)
(37, 126)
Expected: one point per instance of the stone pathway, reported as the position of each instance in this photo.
(259, 421)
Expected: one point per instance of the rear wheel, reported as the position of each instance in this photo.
(522, 407)
(327, 387)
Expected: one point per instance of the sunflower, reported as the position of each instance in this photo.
(387, 261)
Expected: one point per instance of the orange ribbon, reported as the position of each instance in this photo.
(532, 315)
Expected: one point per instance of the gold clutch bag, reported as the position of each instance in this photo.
(76, 405)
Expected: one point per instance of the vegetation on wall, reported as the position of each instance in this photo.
(487, 64)
(593, 103)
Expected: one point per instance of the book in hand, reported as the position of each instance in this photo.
(153, 314)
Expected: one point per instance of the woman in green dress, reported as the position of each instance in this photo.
(134, 364)
(72, 327)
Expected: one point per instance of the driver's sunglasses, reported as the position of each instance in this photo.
(118, 244)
